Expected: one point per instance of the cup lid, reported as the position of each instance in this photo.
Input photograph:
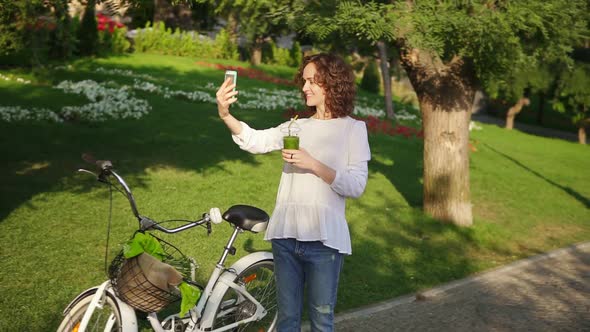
(291, 129)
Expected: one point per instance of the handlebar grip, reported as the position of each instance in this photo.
(102, 165)
(215, 215)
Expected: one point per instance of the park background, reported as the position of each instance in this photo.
(134, 83)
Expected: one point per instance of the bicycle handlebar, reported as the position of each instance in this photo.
(106, 169)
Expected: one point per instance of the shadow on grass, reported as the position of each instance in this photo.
(418, 252)
(39, 157)
(405, 172)
(576, 195)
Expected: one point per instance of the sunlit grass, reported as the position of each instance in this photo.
(529, 195)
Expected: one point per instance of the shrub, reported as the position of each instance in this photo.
(371, 80)
(272, 54)
(281, 56)
(225, 47)
(115, 42)
(296, 55)
(88, 33)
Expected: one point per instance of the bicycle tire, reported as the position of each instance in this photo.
(99, 319)
(259, 280)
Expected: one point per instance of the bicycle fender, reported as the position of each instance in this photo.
(250, 259)
(128, 318)
(226, 278)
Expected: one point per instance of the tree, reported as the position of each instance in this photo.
(88, 33)
(574, 97)
(24, 30)
(370, 80)
(448, 49)
(347, 21)
(255, 20)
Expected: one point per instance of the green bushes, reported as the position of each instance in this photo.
(88, 33)
(161, 40)
(371, 80)
(225, 47)
(113, 43)
(274, 55)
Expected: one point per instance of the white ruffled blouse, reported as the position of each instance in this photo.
(307, 208)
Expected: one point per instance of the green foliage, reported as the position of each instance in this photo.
(258, 19)
(524, 77)
(296, 54)
(495, 37)
(371, 80)
(16, 18)
(225, 47)
(62, 40)
(161, 40)
(32, 32)
(113, 43)
(274, 55)
(574, 94)
(88, 33)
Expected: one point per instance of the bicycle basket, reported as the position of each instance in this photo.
(131, 281)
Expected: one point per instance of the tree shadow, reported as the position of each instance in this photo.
(419, 252)
(568, 190)
(405, 170)
(38, 157)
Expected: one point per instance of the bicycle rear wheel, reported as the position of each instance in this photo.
(107, 318)
(259, 281)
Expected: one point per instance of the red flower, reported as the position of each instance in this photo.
(105, 22)
(248, 72)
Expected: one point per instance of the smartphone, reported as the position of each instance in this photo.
(233, 75)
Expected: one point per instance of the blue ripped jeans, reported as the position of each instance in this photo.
(310, 265)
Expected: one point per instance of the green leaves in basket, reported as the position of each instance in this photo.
(190, 296)
(143, 243)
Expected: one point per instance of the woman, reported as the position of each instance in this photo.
(308, 229)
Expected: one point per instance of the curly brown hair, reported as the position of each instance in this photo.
(336, 77)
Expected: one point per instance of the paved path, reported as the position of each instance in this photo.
(549, 292)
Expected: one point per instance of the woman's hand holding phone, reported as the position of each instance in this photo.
(226, 95)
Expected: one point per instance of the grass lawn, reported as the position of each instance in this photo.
(529, 194)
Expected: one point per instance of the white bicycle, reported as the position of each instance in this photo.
(239, 298)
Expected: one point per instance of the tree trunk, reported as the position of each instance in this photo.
(445, 92)
(479, 102)
(232, 27)
(514, 110)
(184, 16)
(386, 79)
(256, 52)
(541, 108)
(163, 12)
(582, 127)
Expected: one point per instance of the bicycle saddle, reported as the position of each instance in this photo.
(247, 217)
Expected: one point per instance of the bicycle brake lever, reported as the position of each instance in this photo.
(100, 177)
(86, 171)
(208, 228)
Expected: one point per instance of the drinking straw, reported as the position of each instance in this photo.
(290, 123)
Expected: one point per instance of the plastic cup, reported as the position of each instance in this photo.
(291, 136)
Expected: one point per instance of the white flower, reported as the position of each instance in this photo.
(17, 113)
(474, 126)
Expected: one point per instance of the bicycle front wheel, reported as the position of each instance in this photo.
(259, 281)
(107, 318)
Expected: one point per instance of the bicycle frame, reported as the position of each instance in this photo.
(203, 314)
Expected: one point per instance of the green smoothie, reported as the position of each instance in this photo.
(291, 142)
